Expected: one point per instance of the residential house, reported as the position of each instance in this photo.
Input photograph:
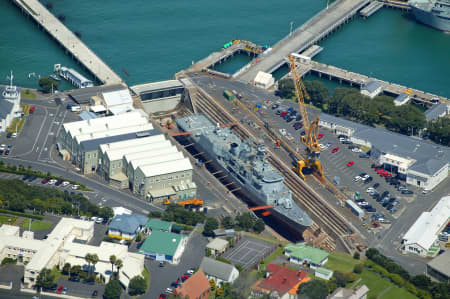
(126, 227)
(304, 254)
(358, 293)
(219, 271)
(196, 287)
(217, 246)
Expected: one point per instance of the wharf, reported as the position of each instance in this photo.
(306, 67)
(69, 41)
(371, 9)
(308, 34)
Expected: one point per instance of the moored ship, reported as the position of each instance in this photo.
(434, 13)
(249, 169)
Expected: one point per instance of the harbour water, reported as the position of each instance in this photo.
(152, 40)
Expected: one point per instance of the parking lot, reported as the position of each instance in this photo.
(248, 252)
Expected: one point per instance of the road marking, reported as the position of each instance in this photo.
(37, 136)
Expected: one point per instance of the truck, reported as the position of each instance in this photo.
(228, 95)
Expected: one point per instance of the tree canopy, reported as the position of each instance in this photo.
(113, 290)
(315, 289)
(137, 286)
(45, 279)
(46, 83)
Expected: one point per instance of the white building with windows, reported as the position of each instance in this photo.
(372, 89)
(117, 102)
(264, 80)
(9, 105)
(59, 248)
(422, 237)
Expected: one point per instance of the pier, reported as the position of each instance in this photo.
(317, 28)
(85, 56)
(371, 9)
(330, 72)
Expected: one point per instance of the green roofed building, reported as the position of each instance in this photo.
(301, 253)
(156, 224)
(164, 246)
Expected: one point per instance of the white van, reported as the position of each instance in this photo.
(75, 108)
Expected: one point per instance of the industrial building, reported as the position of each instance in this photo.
(264, 80)
(63, 246)
(372, 89)
(113, 102)
(439, 267)
(423, 236)
(418, 162)
(160, 96)
(85, 95)
(9, 105)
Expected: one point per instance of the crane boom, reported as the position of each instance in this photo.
(311, 129)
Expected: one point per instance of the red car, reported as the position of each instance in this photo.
(350, 163)
(320, 136)
(162, 296)
(60, 289)
(334, 150)
(283, 114)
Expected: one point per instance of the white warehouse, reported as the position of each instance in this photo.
(422, 237)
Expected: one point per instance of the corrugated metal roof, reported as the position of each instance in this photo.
(442, 263)
(114, 132)
(83, 95)
(135, 159)
(160, 242)
(216, 268)
(166, 157)
(128, 223)
(143, 144)
(126, 143)
(166, 167)
(85, 115)
(117, 97)
(371, 86)
(302, 251)
(90, 145)
(436, 111)
(155, 86)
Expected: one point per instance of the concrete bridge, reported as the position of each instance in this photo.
(311, 32)
(101, 71)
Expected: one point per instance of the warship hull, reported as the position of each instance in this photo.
(281, 221)
(430, 19)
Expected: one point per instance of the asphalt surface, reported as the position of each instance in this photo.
(386, 239)
(248, 252)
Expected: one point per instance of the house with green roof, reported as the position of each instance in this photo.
(303, 254)
(156, 224)
(164, 246)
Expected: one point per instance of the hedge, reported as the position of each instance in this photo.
(27, 215)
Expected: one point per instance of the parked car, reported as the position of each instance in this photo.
(52, 182)
(74, 278)
(60, 289)
(94, 293)
(334, 150)
(371, 210)
(406, 191)
(283, 114)
(168, 290)
(65, 183)
(275, 106)
(75, 187)
(302, 133)
(190, 271)
(364, 155)
(320, 136)
(162, 296)
(9, 135)
(350, 163)
(298, 117)
(45, 180)
(347, 142)
(376, 185)
(356, 178)
(14, 135)
(6, 152)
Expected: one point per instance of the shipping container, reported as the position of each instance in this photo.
(228, 95)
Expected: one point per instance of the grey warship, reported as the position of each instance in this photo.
(248, 168)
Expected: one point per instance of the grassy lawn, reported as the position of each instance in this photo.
(396, 292)
(26, 109)
(4, 219)
(27, 94)
(16, 125)
(265, 238)
(341, 262)
(146, 276)
(36, 225)
(270, 258)
(377, 285)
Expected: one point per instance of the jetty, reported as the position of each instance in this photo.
(330, 72)
(371, 9)
(317, 28)
(72, 44)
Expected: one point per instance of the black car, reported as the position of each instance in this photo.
(376, 185)
(369, 179)
(32, 178)
(371, 210)
(293, 113)
(347, 142)
(25, 177)
(302, 133)
(384, 194)
(94, 293)
(364, 155)
(9, 135)
(389, 206)
(59, 182)
(275, 106)
(289, 119)
(54, 287)
(367, 207)
(298, 117)
(74, 278)
(407, 191)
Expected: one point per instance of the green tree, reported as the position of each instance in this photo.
(119, 264)
(259, 226)
(245, 221)
(227, 222)
(66, 269)
(356, 255)
(137, 286)
(112, 260)
(210, 225)
(286, 88)
(421, 281)
(46, 84)
(332, 286)
(88, 259)
(154, 214)
(340, 278)
(94, 260)
(113, 290)
(358, 268)
(45, 279)
(75, 270)
(106, 213)
(315, 289)
(318, 92)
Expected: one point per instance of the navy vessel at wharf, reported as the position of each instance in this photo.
(248, 167)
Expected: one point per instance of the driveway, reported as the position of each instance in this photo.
(81, 289)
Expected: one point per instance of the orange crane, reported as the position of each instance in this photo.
(195, 202)
(311, 128)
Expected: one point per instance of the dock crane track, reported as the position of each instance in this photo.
(300, 192)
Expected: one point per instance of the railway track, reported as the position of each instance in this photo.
(329, 220)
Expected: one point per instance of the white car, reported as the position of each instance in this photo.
(363, 203)
(370, 189)
(99, 220)
(283, 132)
(3, 147)
(94, 218)
(356, 150)
(75, 187)
(52, 182)
(65, 183)
(169, 290)
(342, 139)
(190, 272)
(14, 135)
(321, 146)
(356, 178)
(366, 176)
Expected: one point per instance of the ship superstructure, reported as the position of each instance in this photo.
(434, 13)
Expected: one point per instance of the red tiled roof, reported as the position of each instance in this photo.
(281, 279)
(195, 286)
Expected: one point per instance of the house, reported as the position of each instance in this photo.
(217, 246)
(358, 293)
(164, 246)
(401, 99)
(438, 110)
(323, 273)
(264, 80)
(126, 227)
(439, 267)
(371, 89)
(280, 282)
(196, 287)
(422, 237)
(219, 271)
(300, 254)
(160, 225)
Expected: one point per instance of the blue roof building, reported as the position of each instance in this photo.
(126, 227)
(436, 111)
(372, 89)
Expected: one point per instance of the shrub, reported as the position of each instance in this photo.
(397, 279)
(351, 277)
(356, 255)
(224, 260)
(369, 264)
(358, 268)
(8, 260)
(411, 288)
(332, 286)
(27, 215)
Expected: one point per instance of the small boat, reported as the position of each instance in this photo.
(55, 77)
